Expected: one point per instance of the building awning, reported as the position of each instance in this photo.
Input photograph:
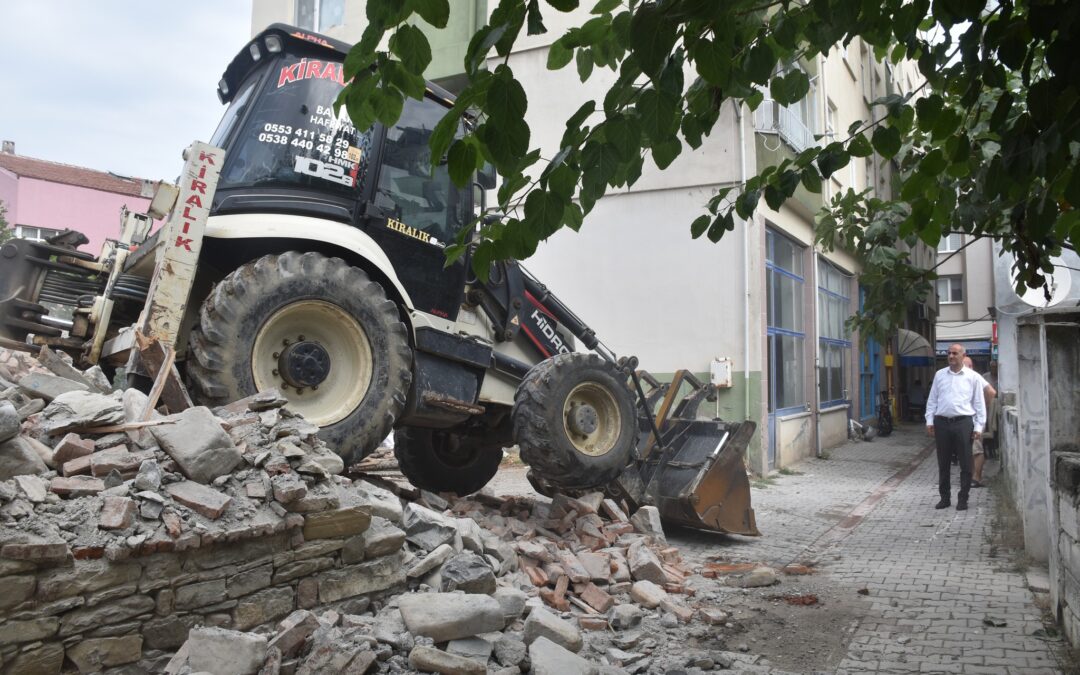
(958, 331)
(972, 347)
(909, 343)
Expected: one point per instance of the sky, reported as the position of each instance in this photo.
(115, 85)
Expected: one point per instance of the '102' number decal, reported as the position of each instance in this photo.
(330, 172)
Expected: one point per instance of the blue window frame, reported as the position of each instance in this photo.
(785, 330)
(834, 347)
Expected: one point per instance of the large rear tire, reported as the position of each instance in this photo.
(574, 421)
(444, 461)
(315, 328)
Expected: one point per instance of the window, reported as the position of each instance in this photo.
(320, 14)
(830, 121)
(834, 347)
(950, 243)
(866, 73)
(950, 290)
(35, 233)
(786, 335)
(416, 195)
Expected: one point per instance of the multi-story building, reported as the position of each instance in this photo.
(965, 294)
(765, 300)
(42, 198)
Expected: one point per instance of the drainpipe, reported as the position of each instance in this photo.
(745, 266)
(817, 354)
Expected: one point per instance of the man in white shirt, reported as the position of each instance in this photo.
(955, 415)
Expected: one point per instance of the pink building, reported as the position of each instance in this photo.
(43, 198)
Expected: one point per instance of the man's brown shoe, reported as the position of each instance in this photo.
(943, 504)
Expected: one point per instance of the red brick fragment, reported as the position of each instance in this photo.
(88, 552)
(80, 466)
(38, 551)
(118, 459)
(592, 622)
(71, 447)
(596, 598)
(76, 486)
(173, 524)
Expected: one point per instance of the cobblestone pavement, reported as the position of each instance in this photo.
(932, 579)
(927, 582)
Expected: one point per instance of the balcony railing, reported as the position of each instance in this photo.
(773, 118)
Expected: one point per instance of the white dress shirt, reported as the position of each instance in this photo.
(957, 393)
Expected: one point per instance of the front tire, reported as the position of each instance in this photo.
(316, 328)
(444, 461)
(574, 421)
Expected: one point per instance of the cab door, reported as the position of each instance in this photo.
(414, 212)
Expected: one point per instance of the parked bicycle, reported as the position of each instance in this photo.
(885, 419)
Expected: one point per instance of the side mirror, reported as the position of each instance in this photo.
(485, 177)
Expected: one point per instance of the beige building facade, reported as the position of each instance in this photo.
(765, 299)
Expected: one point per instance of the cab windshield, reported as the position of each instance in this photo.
(292, 138)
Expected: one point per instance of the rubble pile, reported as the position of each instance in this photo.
(231, 536)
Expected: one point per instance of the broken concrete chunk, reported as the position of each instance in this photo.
(9, 421)
(114, 459)
(48, 387)
(199, 445)
(430, 561)
(625, 617)
(644, 565)
(648, 594)
(288, 487)
(18, 458)
(471, 648)
(80, 409)
(337, 523)
(149, 476)
(33, 487)
(449, 616)
(543, 624)
(755, 578)
(96, 654)
(217, 650)
(467, 572)
(471, 534)
(379, 502)
(199, 498)
(512, 602)
(429, 659)
(549, 658)
(647, 521)
(427, 529)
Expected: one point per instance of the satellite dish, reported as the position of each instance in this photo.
(1060, 284)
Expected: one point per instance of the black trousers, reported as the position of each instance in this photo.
(953, 436)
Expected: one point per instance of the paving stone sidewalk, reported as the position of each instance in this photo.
(932, 579)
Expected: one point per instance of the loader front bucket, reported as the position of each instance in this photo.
(698, 479)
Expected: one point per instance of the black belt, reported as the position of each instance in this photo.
(952, 419)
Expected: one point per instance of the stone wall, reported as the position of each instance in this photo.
(1065, 558)
(96, 612)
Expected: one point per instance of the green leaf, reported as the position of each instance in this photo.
(860, 147)
(584, 64)
(435, 12)
(657, 111)
(573, 217)
(759, 63)
(928, 109)
(410, 45)
(665, 153)
(564, 5)
(1072, 188)
(387, 104)
(558, 55)
(387, 12)
(722, 223)
(698, 227)
(887, 141)
(410, 84)
(652, 37)
(461, 162)
(947, 123)
(562, 181)
(811, 180)
(774, 197)
(535, 19)
(479, 46)
(746, 203)
(934, 162)
(605, 6)
(832, 158)
(543, 213)
(506, 100)
(443, 134)
(356, 60)
(790, 87)
(713, 62)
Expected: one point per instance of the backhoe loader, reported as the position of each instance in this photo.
(302, 254)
